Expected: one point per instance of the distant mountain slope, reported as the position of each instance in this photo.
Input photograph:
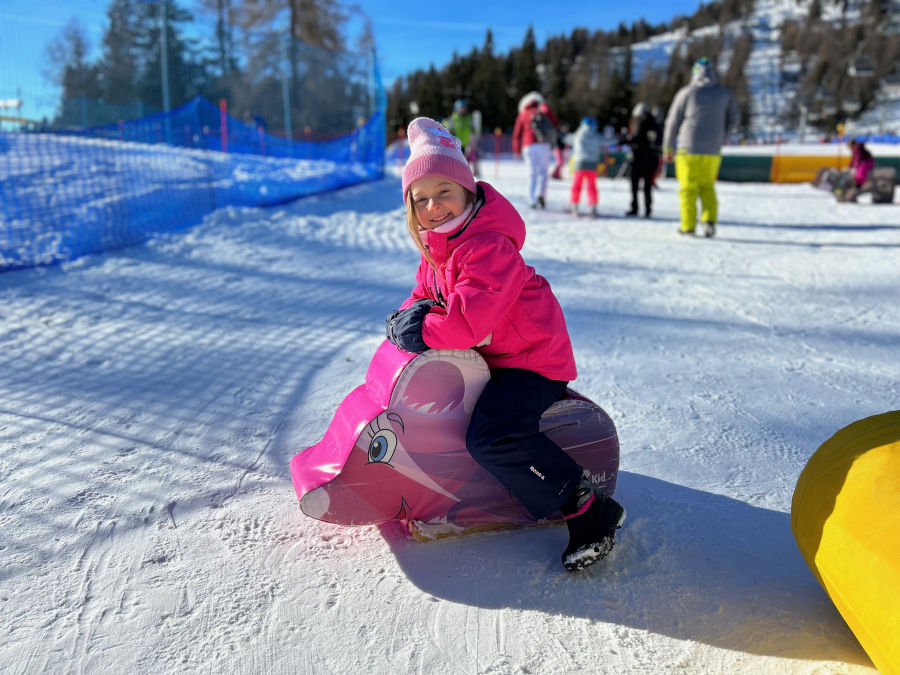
(776, 107)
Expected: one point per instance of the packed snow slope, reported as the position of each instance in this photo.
(151, 399)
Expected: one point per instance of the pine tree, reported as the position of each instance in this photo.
(118, 68)
(67, 67)
(180, 70)
(316, 23)
(526, 77)
(487, 81)
(431, 94)
(617, 101)
(310, 34)
(224, 69)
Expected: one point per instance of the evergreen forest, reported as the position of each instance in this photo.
(834, 70)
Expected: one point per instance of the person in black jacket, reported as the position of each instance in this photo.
(645, 140)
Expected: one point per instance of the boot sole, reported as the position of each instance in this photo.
(592, 553)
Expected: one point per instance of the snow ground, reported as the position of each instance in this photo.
(151, 399)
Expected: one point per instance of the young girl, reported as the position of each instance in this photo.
(586, 153)
(474, 290)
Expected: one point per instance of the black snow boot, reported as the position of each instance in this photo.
(593, 519)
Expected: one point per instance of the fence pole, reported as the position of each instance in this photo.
(164, 55)
(286, 92)
(840, 142)
(164, 66)
(223, 123)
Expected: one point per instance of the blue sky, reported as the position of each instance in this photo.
(413, 35)
(409, 35)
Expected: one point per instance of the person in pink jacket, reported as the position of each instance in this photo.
(474, 291)
(861, 160)
(861, 165)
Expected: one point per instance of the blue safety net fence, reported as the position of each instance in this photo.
(63, 195)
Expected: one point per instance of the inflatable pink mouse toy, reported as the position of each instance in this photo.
(395, 449)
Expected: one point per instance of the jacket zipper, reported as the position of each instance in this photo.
(479, 202)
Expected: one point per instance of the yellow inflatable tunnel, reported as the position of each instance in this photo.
(845, 516)
(803, 169)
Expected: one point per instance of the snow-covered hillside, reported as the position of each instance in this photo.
(771, 94)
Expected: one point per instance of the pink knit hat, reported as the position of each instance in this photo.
(434, 151)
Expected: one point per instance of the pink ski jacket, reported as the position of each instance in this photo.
(484, 289)
(863, 162)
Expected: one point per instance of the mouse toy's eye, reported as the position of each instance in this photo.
(382, 446)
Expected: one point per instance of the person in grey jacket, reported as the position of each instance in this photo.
(586, 150)
(700, 116)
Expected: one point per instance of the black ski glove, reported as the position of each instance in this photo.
(404, 326)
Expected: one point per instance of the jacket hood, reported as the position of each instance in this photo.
(494, 213)
(530, 99)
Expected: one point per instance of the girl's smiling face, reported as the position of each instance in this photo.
(437, 200)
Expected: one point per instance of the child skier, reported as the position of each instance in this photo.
(586, 151)
(462, 126)
(474, 290)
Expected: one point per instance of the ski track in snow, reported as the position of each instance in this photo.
(151, 399)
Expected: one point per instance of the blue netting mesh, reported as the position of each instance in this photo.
(66, 194)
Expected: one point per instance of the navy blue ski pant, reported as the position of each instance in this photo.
(503, 437)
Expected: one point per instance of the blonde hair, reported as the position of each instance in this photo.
(413, 224)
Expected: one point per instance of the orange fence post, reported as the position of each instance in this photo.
(840, 142)
(223, 123)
